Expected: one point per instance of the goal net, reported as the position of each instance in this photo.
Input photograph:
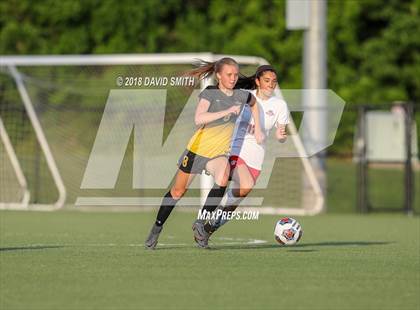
(82, 131)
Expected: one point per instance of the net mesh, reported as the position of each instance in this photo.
(69, 102)
(11, 191)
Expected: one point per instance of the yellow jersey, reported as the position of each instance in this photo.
(213, 139)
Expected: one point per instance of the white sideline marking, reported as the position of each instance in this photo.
(233, 241)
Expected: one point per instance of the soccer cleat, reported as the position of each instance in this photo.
(200, 235)
(153, 237)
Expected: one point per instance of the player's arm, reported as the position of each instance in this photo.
(203, 116)
(281, 123)
(258, 133)
(281, 133)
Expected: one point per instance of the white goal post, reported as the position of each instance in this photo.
(15, 67)
(8, 155)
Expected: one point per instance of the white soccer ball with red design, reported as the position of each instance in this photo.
(288, 231)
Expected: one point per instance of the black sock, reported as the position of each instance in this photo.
(214, 198)
(168, 203)
(209, 228)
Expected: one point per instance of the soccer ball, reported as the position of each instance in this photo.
(288, 231)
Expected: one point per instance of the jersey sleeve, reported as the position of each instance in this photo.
(207, 93)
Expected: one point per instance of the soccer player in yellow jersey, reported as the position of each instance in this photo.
(216, 114)
(246, 154)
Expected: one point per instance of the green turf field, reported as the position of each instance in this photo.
(79, 260)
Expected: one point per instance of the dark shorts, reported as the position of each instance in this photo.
(192, 163)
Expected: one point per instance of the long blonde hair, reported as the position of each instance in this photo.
(205, 69)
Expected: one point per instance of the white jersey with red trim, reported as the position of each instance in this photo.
(273, 112)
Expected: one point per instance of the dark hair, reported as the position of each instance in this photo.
(248, 82)
(206, 68)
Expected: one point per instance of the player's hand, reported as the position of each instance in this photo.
(234, 110)
(259, 136)
(281, 133)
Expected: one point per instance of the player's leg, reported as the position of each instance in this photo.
(243, 184)
(219, 169)
(178, 189)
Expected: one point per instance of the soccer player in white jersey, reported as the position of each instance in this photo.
(247, 156)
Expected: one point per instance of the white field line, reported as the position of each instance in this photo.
(230, 241)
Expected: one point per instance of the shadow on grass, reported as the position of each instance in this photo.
(216, 247)
(30, 247)
(341, 243)
(302, 251)
(299, 247)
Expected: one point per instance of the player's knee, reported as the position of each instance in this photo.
(243, 192)
(245, 188)
(177, 192)
(222, 179)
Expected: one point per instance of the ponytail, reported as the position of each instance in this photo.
(204, 69)
(246, 82)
